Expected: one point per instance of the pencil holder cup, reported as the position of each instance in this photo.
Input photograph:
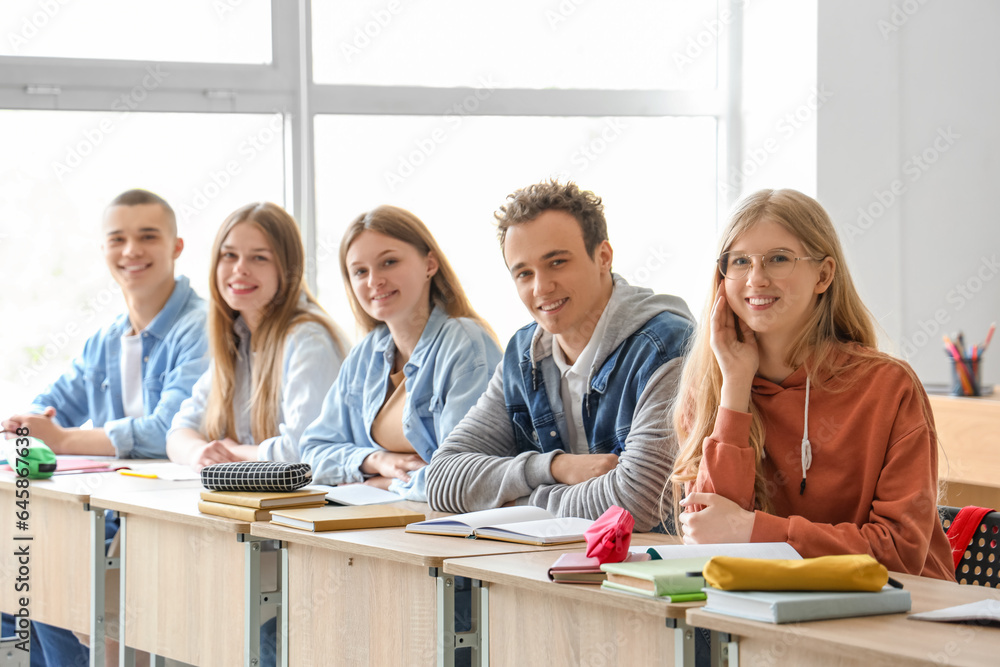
(965, 377)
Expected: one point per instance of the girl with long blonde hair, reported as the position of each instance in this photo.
(274, 351)
(424, 362)
(791, 425)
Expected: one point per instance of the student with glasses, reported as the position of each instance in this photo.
(792, 426)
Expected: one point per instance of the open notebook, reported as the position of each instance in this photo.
(523, 524)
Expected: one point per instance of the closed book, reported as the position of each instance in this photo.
(524, 524)
(238, 511)
(577, 568)
(793, 606)
(677, 597)
(262, 499)
(319, 519)
(658, 577)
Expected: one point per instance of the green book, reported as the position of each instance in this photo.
(658, 577)
(679, 597)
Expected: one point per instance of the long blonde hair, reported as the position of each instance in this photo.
(446, 289)
(840, 323)
(281, 315)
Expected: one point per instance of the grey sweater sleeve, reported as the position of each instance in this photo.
(637, 483)
(477, 466)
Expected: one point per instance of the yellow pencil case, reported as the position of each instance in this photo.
(826, 573)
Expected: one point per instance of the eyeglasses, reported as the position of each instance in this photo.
(777, 263)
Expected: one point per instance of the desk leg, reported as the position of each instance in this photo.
(448, 640)
(283, 606)
(97, 575)
(725, 649)
(256, 599)
(683, 642)
(126, 654)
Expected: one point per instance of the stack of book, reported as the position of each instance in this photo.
(257, 505)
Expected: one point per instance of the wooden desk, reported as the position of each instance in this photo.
(969, 431)
(533, 621)
(364, 597)
(185, 576)
(67, 552)
(865, 641)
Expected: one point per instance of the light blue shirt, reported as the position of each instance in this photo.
(309, 367)
(445, 376)
(173, 358)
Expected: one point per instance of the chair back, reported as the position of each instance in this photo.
(980, 564)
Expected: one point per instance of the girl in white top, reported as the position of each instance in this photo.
(275, 352)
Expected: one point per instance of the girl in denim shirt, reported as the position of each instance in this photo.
(275, 351)
(424, 362)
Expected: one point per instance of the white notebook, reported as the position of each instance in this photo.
(524, 524)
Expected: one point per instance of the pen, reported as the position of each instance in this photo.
(132, 473)
(989, 336)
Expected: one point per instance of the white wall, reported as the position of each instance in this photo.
(907, 165)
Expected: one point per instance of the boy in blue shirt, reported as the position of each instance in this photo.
(132, 375)
(575, 417)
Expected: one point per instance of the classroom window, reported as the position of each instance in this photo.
(657, 177)
(59, 169)
(217, 31)
(626, 45)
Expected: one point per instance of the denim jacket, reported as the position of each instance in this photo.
(508, 440)
(447, 372)
(173, 358)
(310, 361)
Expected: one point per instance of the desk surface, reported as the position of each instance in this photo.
(395, 544)
(529, 571)
(170, 504)
(79, 487)
(889, 639)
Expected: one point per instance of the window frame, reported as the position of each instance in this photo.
(286, 86)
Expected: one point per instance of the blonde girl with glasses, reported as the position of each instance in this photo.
(792, 426)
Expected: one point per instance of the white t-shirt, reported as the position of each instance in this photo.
(573, 385)
(132, 375)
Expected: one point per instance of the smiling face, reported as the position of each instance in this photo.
(140, 247)
(247, 274)
(390, 278)
(776, 307)
(563, 287)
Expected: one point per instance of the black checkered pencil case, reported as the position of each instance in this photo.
(256, 476)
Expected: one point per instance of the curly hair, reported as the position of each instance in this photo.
(528, 203)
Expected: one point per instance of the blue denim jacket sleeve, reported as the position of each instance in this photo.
(335, 444)
(311, 362)
(68, 394)
(146, 436)
(465, 364)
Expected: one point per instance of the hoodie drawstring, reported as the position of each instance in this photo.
(807, 455)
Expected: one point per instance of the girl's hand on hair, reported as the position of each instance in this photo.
(719, 520)
(392, 464)
(738, 360)
(216, 451)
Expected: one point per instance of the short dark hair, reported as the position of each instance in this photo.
(139, 197)
(528, 203)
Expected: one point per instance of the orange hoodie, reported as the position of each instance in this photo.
(871, 486)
